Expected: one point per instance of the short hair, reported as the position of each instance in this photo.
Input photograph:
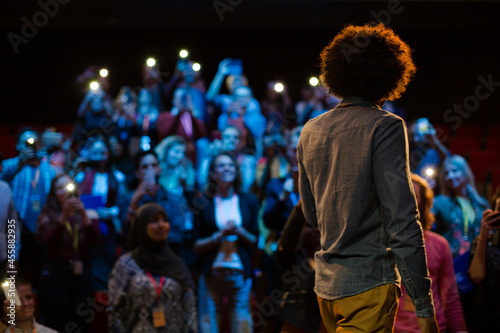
(368, 61)
(426, 198)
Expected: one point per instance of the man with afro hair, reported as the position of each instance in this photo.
(355, 185)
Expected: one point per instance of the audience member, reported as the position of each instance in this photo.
(8, 221)
(68, 232)
(227, 233)
(150, 288)
(29, 177)
(483, 311)
(24, 314)
(459, 208)
(100, 188)
(298, 306)
(449, 312)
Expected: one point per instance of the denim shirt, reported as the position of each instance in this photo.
(355, 185)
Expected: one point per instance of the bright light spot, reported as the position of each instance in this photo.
(196, 67)
(313, 81)
(151, 62)
(183, 53)
(70, 187)
(5, 284)
(94, 85)
(103, 72)
(31, 141)
(429, 172)
(279, 87)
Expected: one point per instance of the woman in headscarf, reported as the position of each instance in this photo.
(150, 288)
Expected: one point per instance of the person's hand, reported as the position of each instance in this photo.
(428, 325)
(26, 154)
(77, 205)
(224, 66)
(229, 229)
(490, 220)
(181, 172)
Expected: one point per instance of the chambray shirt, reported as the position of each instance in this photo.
(355, 185)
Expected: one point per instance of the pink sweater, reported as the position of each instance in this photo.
(444, 290)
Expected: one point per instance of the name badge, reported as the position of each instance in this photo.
(35, 202)
(77, 267)
(159, 317)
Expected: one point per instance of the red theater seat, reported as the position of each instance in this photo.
(493, 143)
(469, 130)
(482, 161)
(462, 145)
(8, 146)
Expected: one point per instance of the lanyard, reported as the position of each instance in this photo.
(74, 234)
(157, 288)
(233, 208)
(34, 183)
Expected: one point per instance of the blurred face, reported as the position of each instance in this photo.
(176, 154)
(242, 96)
(454, 177)
(148, 166)
(159, 228)
(24, 137)
(182, 99)
(98, 152)
(115, 146)
(225, 169)
(230, 139)
(61, 190)
(25, 312)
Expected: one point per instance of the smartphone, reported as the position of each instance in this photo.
(235, 67)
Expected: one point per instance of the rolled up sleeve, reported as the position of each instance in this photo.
(397, 200)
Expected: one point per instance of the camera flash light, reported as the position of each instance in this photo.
(70, 187)
(279, 87)
(103, 72)
(151, 62)
(196, 67)
(429, 172)
(183, 54)
(31, 141)
(94, 85)
(313, 81)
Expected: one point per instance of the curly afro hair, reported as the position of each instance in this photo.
(368, 61)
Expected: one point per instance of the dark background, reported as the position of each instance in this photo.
(454, 43)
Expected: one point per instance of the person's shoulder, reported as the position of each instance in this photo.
(436, 238)
(128, 261)
(248, 197)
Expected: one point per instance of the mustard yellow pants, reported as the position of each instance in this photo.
(373, 311)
